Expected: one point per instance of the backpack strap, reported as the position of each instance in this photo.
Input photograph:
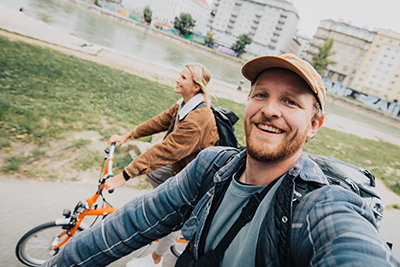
(213, 256)
(208, 182)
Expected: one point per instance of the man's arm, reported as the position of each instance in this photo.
(137, 223)
(333, 227)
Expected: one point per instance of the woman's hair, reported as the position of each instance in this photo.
(201, 76)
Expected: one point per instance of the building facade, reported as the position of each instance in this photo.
(270, 23)
(366, 61)
(350, 45)
(165, 11)
(379, 72)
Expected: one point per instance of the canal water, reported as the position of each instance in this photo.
(106, 32)
(99, 30)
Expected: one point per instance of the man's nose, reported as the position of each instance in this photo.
(271, 109)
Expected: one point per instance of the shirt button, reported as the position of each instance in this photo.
(284, 219)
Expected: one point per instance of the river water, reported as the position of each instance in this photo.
(99, 30)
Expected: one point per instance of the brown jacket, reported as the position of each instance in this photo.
(195, 132)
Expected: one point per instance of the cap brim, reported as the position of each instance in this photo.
(253, 68)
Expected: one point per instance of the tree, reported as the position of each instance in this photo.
(96, 2)
(147, 13)
(184, 24)
(240, 45)
(209, 39)
(321, 60)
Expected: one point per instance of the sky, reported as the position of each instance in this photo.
(372, 13)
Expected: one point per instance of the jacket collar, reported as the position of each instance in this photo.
(189, 106)
(306, 168)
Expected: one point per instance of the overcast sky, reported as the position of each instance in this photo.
(372, 13)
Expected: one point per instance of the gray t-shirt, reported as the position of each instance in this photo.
(242, 251)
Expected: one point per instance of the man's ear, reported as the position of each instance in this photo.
(315, 125)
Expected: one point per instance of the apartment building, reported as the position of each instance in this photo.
(270, 23)
(379, 72)
(165, 11)
(350, 44)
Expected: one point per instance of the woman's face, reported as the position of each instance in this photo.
(185, 85)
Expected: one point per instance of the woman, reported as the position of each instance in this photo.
(190, 127)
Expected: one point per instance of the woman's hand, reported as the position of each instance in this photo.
(119, 139)
(114, 182)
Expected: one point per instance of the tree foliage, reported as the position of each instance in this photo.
(147, 13)
(209, 39)
(240, 45)
(321, 60)
(184, 24)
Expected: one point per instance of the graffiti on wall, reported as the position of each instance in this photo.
(368, 100)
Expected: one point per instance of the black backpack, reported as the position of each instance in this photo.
(225, 119)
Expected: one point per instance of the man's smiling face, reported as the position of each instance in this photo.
(278, 116)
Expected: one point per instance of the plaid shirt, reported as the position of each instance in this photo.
(330, 227)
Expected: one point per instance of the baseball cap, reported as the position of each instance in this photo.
(252, 68)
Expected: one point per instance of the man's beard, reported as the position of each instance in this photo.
(263, 152)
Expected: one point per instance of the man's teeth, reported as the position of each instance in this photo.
(268, 128)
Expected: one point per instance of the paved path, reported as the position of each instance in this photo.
(27, 204)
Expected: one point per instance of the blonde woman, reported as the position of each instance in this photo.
(190, 127)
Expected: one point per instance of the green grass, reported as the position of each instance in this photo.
(79, 143)
(45, 94)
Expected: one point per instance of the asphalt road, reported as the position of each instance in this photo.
(27, 203)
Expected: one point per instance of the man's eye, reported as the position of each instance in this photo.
(260, 96)
(291, 102)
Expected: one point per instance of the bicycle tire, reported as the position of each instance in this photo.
(33, 248)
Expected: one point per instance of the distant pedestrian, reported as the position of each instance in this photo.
(22, 9)
(240, 85)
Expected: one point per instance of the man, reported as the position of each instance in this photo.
(329, 227)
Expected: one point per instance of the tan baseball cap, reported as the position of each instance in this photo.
(252, 68)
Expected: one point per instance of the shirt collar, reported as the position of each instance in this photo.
(189, 106)
(304, 167)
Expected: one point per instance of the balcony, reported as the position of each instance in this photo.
(238, 3)
(256, 20)
(232, 19)
(211, 19)
(216, 3)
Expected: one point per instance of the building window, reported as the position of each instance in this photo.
(341, 77)
(345, 68)
(353, 51)
(335, 36)
(342, 48)
(357, 43)
(349, 59)
(366, 46)
(346, 40)
(338, 57)
(362, 55)
(330, 74)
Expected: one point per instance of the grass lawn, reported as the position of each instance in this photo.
(45, 94)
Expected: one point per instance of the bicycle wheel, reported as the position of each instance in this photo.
(178, 247)
(34, 248)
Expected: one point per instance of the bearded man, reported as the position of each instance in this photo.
(330, 226)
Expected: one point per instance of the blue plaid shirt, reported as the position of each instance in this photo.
(330, 227)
